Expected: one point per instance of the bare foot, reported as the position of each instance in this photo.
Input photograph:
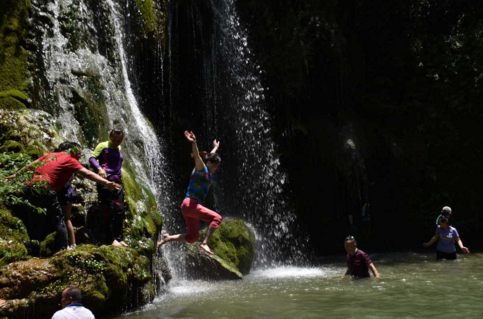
(123, 244)
(164, 240)
(207, 249)
(115, 243)
(2, 302)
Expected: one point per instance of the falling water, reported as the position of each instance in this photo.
(250, 183)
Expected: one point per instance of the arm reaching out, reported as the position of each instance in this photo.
(96, 178)
(432, 241)
(30, 166)
(190, 136)
(463, 248)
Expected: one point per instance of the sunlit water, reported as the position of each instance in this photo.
(412, 286)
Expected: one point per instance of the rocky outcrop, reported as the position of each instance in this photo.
(128, 276)
(108, 276)
(234, 246)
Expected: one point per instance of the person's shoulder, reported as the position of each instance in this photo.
(59, 314)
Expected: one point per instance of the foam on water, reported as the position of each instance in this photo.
(291, 272)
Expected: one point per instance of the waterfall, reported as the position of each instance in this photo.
(250, 183)
(70, 71)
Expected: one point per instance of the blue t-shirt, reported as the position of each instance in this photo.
(200, 183)
(447, 239)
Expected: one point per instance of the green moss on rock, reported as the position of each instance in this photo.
(235, 243)
(13, 238)
(147, 11)
(234, 246)
(144, 220)
(13, 57)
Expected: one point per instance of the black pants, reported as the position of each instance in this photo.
(113, 208)
(55, 217)
(447, 256)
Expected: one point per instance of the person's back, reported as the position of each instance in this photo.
(72, 307)
(74, 311)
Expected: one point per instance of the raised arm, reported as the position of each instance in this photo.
(96, 178)
(432, 241)
(190, 136)
(216, 145)
(463, 248)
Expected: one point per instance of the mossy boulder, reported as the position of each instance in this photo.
(13, 238)
(234, 246)
(108, 277)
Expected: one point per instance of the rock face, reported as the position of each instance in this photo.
(108, 277)
(234, 246)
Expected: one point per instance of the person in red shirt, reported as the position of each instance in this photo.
(52, 172)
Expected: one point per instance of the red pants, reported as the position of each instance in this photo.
(193, 212)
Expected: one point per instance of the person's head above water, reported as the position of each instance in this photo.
(446, 211)
(115, 137)
(212, 161)
(74, 149)
(350, 244)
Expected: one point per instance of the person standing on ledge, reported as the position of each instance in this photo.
(446, 235)
(192, 207)
(72, 307)
(107, 159)
(52, 172)
(358, 262)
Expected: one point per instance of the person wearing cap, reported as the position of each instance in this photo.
(446, 212)
(446, 235)
(72, 307)
(358, 262)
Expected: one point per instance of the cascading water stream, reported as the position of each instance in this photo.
(251, 180)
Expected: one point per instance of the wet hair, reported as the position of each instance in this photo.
(350, 238)
(116, 131)
(74, 293)
(443, 219)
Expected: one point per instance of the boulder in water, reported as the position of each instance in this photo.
(234, 246)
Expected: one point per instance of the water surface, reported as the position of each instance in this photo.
(412, 286)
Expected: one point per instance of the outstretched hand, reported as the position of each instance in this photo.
(465, 250)
(113, 186)
(216, 144)
(190, 136)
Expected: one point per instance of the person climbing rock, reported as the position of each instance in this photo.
(52, 172)
(106, 160)
(358, 262)
(72, 307)
(193, 208)
(446, 236)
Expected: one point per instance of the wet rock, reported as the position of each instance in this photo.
(234, 246)
(108, 276)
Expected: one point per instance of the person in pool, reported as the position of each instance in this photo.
(358, 262)
(192, 207)
(446, 235)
